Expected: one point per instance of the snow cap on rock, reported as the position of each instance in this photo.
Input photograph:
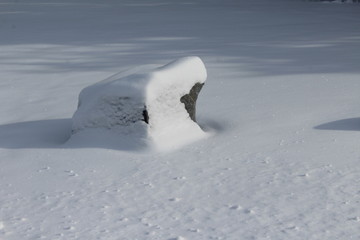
(156, 106)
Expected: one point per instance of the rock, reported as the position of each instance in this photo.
(190, 100)
(157, 104)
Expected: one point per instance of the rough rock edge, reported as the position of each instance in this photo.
(190, 100)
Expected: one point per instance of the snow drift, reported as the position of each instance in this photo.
(155, 107)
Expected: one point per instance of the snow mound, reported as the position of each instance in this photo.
(155, 106)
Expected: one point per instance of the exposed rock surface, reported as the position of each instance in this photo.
(190, 100)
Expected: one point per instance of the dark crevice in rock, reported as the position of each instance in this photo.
(190, 100)
(145, 115)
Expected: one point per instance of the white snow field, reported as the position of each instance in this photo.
(281, 101)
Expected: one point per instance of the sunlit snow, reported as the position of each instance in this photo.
(281, 102)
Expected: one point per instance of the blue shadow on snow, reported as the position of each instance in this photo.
(55, 133)
(350, 124)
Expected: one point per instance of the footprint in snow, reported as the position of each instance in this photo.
(235, 207)
(249, 211)
(69, 228)
(71, 173)
(175, 199)
(357, 219)
(179, 178)
(43, 169)
(178, 238)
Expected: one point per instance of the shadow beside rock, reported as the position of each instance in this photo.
(35, 134)
(350, 124)
(55, 133)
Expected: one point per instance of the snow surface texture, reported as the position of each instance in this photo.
(144, 106)
(282, 95)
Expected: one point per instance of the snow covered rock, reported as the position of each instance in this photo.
(158, 106)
